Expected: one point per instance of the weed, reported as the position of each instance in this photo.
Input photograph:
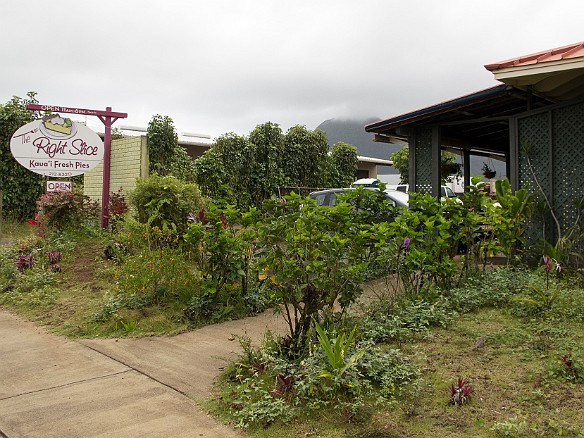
(513, 427)
(256, 406)
(568, 368)
(129, 326)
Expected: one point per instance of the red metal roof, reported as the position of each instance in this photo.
(575, 50)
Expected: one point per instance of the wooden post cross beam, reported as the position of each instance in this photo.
(108, 118)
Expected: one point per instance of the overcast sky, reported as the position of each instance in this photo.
(220, 66)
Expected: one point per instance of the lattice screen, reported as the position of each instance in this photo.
(534, 142)
(554, 142)
(424, 160)
(568, 129)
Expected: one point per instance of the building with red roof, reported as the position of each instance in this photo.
(533, 121)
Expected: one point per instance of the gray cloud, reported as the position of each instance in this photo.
(228, 65)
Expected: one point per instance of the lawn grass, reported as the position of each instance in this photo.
(512, 363)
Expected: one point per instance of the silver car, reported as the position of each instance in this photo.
(329, 197)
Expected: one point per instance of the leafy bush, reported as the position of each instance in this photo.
(61, 210)
(220, 247)
(312, 255)
(19, 187)
(165, 202)
(369, 206)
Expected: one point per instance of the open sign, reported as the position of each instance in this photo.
(59, 186)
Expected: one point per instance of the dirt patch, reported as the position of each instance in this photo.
(86, 267)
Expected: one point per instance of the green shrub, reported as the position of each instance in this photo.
(19, 187)
(312, 256)
(61, 210)
(165, 202)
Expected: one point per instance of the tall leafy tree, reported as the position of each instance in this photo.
(343, 165)
(224, 172)
(212, 177)
(19, 187)
(165, 155)
(305, 157)
(267, 141)
(162, 142)
(245, 171)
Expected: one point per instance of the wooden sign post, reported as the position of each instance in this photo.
(108, 118)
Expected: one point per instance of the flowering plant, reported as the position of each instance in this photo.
(544, 298)
(54, 256)
(460, 394)
(24, 262)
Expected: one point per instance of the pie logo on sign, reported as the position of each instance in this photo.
(55, 126)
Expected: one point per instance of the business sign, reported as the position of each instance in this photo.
(56, 146)
(59, 186)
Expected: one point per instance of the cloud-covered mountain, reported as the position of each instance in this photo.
(352, 131)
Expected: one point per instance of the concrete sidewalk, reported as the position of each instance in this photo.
(53, 387)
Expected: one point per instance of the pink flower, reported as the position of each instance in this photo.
(548, 263)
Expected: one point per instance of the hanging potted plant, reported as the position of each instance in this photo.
(488, 172)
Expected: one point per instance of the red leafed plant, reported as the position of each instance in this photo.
(571, 370)
(460, 394)
(284, 385)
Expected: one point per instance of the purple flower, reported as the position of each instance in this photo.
(406, 243)
(24, 262)
(54, 257)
